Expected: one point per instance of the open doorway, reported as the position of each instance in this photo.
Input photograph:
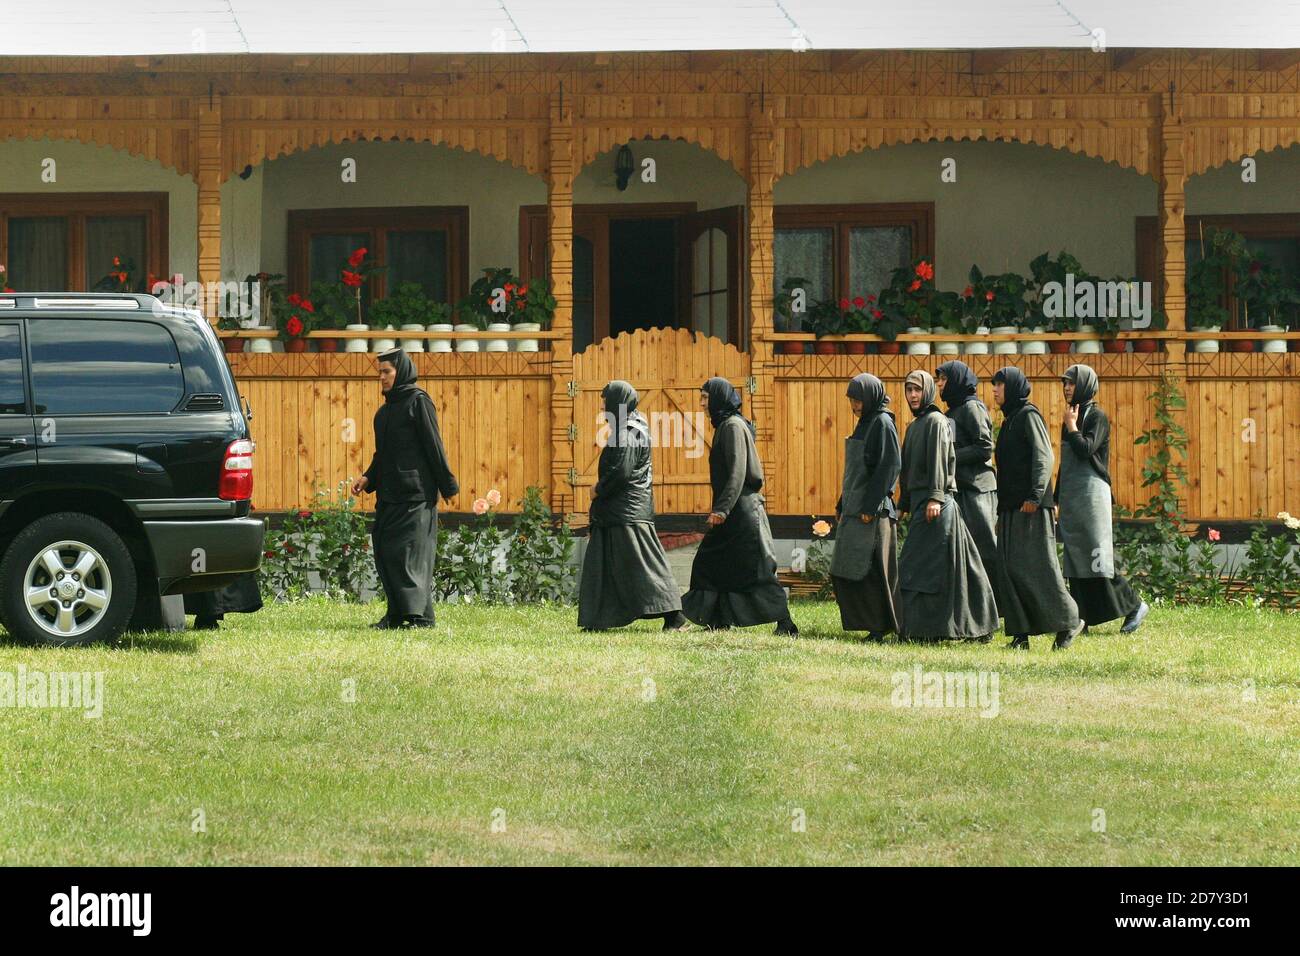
(643, 274)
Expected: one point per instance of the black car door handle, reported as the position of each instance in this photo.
(13, 442)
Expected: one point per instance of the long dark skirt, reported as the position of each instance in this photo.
(405, 541)
(625, 576)
(733, 577)
(240, 596)
(1103, 599)
(1032, 595)
(945, 592)
(979, 512)
(871, 604)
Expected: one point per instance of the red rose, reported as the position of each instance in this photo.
(988, 296)
(351, 278)
(354, 260)
(294, 325)
(859, 302)
(295, 298)
(844, 303)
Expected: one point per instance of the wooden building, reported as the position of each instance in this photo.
(229, 164)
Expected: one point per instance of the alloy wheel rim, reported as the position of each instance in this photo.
(67, 588)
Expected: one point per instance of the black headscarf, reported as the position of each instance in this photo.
(926, 381)
(724, 401)
(620, 396)
(619, 393)
(404, 385)
(961, 385)
(1015, 395)
(870, 391)
(1085, 384)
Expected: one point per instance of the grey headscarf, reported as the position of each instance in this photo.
(1085, 382)
(925, 380)
(870, 391)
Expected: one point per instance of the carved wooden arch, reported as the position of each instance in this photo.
(1222, 128)
(674, 355)
(1209, 148)
(729, 145)
(169, 139)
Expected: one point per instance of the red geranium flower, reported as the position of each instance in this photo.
(295, 298)
(877, 314)
(968, 292)
(871, 298)
(916, 284)
(523, 290)
(307, 306)
(510, 287)
(304, 514)
(294, 325)
(844, 303)
(117, 261)
(351, 278)
(988, 296)
(859, 302)
(925, 270)
(354, 260)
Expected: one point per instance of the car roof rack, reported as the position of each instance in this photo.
(130, 301)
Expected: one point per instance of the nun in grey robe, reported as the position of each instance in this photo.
(864, 566)
(1032, 596)
(733, 577)
(977, 484)
(1084, 495)
(625, 573)
(945, 592)
(408, 473)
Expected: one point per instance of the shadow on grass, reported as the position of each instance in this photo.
(182, 642)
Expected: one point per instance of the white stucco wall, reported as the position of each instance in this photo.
(241, 225)
(1009, 203)
(1276, 188)
(85, 168)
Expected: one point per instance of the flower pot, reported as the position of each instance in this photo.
(855, 348)
(1241, 345)
(1059, 346)
(917, 348)
(356, 344)
(1205, 345)
(260, 345)
(413, 345)
(977, 347)
(1087, 346)
(1005, 348)
(1038, 347)
(1272, 345)
(467, 345)
(1146, 345)
(233, 345)
(383, 345)
(789, 348)
(525, 345)
(497, 345)
(890, 348)
(327, 345)
(1114, 346)
(298, 344)
(944, 348)
(439, 345)
(825, 348)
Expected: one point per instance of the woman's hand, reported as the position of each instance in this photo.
(360, 484)
(1029, 507)
(866, 519)
(932, 509)
(716, 519)
(1071, 418)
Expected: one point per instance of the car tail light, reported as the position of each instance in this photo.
(237, 471)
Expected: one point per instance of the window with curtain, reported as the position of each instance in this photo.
(423, 244)
(67, 241)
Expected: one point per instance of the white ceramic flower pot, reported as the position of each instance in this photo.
(497, 345)
(1005, 348)
(439, 345)
(355, 344)
(1034, 348)
(467, 345)
(977, 348)
(525, 345)
(261, 345)
(1206, 345)
(944, 348)
(917, 348)
(413, 345)
(1272, 345)
(1087, 346)
(384, 345)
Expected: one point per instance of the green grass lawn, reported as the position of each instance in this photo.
(640, 747)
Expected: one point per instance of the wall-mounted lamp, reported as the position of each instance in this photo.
(623, 166)
(246, 172)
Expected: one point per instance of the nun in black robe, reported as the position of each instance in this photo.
(977, 484)
(733, 577)
(945, 592)
(240, 596)
(407, 474)
(864, 566)
(625, 573)
(1032, 595)
(1084, 495)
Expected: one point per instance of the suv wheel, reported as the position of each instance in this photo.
(67, 578)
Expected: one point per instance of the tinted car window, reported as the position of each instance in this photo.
(12, 400)
(103, 367)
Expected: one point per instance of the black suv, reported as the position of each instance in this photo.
(125, 463)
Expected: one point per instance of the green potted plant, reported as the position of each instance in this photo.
(1000, 300)
(907, 300)
(484, 309)
(828, 318)
(405, 308)
(1047, 308)
(948, 312)
(1159, 322)
(1207, 285)
(300, 320)
(792, 297)
(231, 323)
(532, 307)
(1264, 296)
(440, 318)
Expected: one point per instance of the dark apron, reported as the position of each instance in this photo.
(855, 541)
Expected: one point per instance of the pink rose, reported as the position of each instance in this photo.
(480, 506)
(493, 497)
(1213, 535)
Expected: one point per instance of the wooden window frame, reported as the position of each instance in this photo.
(840, 218)
(76, 208)
(376, 221)
(1260, 225)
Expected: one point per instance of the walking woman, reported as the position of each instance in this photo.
(864, 567)
(945, 592)
(733, 577)
(407, 474)
(1031, 595)
(977, 484)
(1083, 492)
(625, 573)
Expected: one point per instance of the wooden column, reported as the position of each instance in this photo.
(559, 214)
(208, 165)
(760, 174)
(1173, 257)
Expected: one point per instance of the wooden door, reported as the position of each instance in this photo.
(712, 274)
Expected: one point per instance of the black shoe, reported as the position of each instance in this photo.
(1065, 638)
(1020, 642)
(1134, 620)
(786, 627)
(207, 623)
(415, 622)
(676, 621)
(875, 637)
(983, 639)
(383, 624)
